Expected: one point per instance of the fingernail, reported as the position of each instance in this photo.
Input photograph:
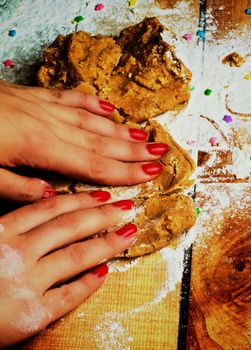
(152, 168)
(157, 149)
(49, 192)
(101, 196)
(127, 230)
(124, 205)
(137, 134)
(100, 270)
(106, 106)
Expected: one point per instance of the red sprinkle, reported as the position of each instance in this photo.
(8, 63)
(99, 7)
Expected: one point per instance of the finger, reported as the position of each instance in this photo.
(110, 147)
(75, 258)
(23, 189)
(61, 300)
(26, 218)
(95, 123)
(74, 161)
(74, 226)
(73, 98)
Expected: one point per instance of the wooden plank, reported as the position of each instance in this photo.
(219, 316)
(218, 312)
(134, 309)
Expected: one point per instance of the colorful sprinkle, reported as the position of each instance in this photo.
(207, 92)
(214, 141)
(99, 7)
(248, 11)
(248, 76)
(188, 37)
(77, 19)
(192, 142)
(132, 2)
(201, 34)
(227, 118)
(12, 32)
(198, 211)
(191, 88)
(8, 63)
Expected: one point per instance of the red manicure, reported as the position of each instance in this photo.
(137, 134)
(106, 106)
(101, 196)
(49, 192)
(152, 168)
(100, 270)
(127, 230)
(124, 205)
(157, 149)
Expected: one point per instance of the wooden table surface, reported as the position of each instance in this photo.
(208, 307)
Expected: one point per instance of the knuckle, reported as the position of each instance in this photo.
(29, 191)
(66, 295)
(97, 143)
(47, 204)
(57, 94)
(104, 213)
(97, 169)
(75, 253)
(64, 220)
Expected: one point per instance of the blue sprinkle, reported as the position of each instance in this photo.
(12, 32)
(201, 34)
(248, 11)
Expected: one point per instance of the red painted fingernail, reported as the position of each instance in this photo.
(152, 168)
(124, 205)
(137, 134)
(101, 196)
(49, 192)
(106, 106)
(127, 230)
(100, 270)
(157, 149)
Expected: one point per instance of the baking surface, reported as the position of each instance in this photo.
(144, 303)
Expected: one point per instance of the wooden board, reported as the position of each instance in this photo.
(219, 315)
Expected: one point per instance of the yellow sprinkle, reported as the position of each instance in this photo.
(132, 2)
(248, 76)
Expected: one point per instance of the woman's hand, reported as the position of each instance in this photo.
(42, 247)
(66, 132)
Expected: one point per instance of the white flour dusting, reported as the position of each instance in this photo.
(11, 262)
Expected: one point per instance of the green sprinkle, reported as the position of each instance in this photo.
(77, 19)
(191, 88)
(198, 211)
(250, 158)
(207, 92)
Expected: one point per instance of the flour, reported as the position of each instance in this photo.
(111, 335)
(11, 262)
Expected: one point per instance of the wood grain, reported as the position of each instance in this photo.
(123, 314)
(219, 314)
(229, 15)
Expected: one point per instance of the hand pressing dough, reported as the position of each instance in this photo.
(138, 71)
(163, 212)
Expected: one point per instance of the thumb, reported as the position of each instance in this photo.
(23, 189)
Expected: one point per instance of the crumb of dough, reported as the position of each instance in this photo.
(234, 59)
